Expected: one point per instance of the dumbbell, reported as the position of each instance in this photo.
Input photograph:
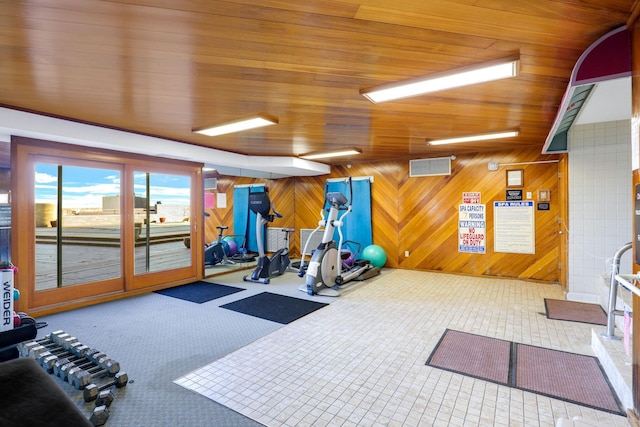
(102, 360)
(82, 379)
(92, 391)
(49, 349)
(57, 344)
(93, 354)
(25, 346)
(96, 355)
(39, 353)
(50, 361)
(83, 373)
(48, 358)
(105, 397)
(111, 366)
(58, 338)
(60, 363)
(99, 415)
(80, 350)
(73, 359)
(62, 366)
(36, 351)
(32, 351)
(74, 369)
(67, 343)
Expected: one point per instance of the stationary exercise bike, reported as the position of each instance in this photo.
(214, 253)
(327, 270)
(278, 263)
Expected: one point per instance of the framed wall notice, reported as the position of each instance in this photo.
(514, 227)
(515, 178)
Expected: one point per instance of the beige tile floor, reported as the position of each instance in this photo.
(361, 360)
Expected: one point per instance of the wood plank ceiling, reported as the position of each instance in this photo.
(165, 67)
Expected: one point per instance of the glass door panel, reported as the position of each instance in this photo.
(161, 221)
(77, 220)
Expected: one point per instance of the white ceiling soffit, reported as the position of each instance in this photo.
(30, 125)
(600, 72)
(609, 101)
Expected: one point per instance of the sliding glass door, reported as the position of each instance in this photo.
(94, 224)
(162, 215)
(77, 224)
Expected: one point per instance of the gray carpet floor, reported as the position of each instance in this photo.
(157, 339)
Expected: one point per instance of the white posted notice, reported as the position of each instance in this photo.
(514, 227)
(471, 228)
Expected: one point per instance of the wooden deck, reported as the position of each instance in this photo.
(93, 254)
(110, 235)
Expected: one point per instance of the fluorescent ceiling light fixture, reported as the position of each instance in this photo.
(471, 138)
(481, 73)
(238, 125)
(334, 153)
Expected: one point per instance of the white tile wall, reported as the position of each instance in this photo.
(600, 204)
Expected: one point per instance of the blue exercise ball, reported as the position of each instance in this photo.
(225, 247)
(375, 255)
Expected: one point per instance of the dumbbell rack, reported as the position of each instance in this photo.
(77, 367)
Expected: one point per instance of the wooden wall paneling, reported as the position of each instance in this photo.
(384, 205)
(420, 215)
(222, 216)
(428, 224)
(282, 194)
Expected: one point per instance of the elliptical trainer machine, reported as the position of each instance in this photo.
(277, 264)
(326, 270)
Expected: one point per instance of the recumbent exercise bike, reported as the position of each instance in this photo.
(215, 253)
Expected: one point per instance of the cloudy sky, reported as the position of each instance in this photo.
(85, 187)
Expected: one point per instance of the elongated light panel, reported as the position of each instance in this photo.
(238, 126)
(434, 84)
(471, 138)
(327, 154)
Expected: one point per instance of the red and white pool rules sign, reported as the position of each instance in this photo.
(472, 225)
(471, 197)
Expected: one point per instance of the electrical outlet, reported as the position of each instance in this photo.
(529, 195)
(406, 254)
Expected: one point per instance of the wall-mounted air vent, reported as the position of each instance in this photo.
(430, 167)
(274, 239)
(315, 241)
(211, 183)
